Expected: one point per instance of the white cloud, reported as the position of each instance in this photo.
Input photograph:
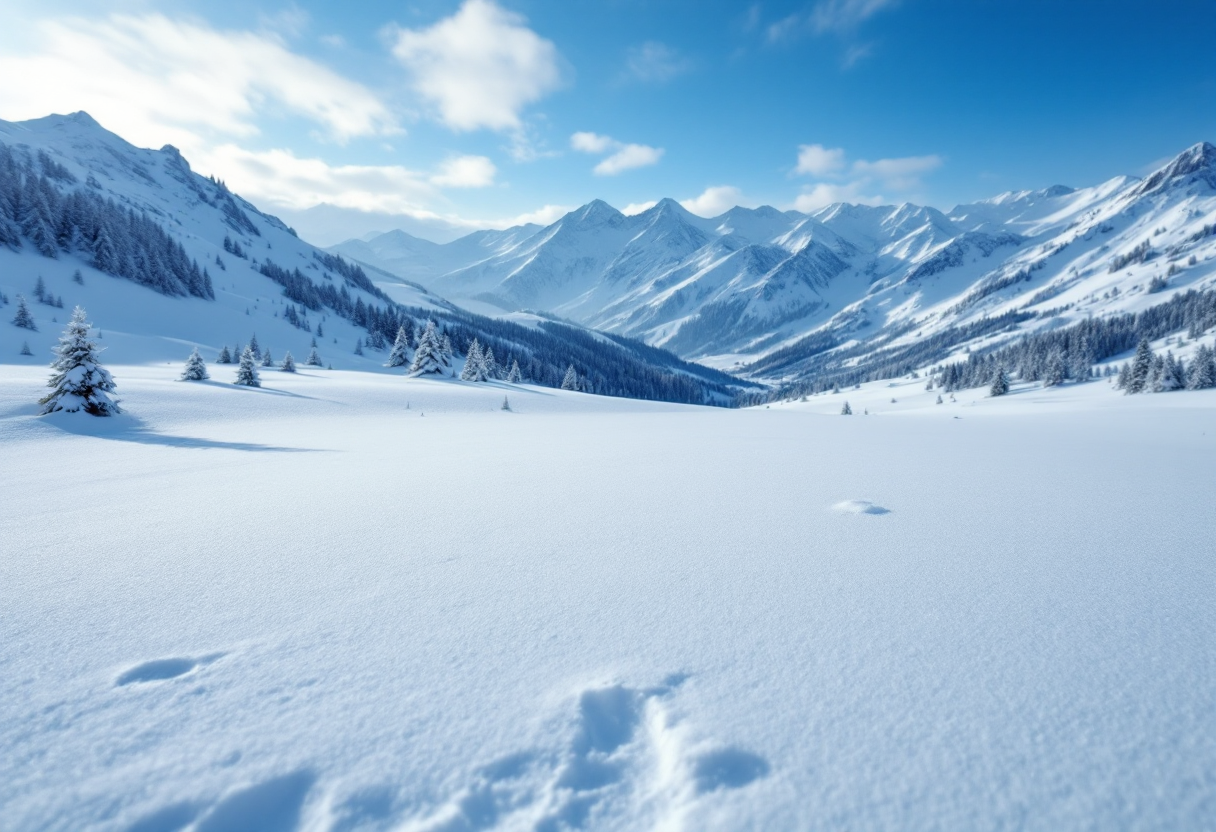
(817, 160)
(654, 63)
(546, 215)
(156, 80)
(593, 142)
(826, 193)
(715, 200)
(284, 179)
(638, 207)
(845, 15)
(480, 67)
(465, 172)
(624, 156)
(627, 158)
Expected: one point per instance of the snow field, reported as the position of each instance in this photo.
(307, 607)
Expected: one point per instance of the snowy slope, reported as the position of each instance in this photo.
(770, 289)
(254, 276)
(350, 601)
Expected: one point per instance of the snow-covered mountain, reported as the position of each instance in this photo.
(772, 292)
(164, 260)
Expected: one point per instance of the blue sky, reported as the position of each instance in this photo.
(443, 117)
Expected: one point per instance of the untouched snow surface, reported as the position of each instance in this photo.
(308, 607)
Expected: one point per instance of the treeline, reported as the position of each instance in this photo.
(1080, 346)
(116, 240)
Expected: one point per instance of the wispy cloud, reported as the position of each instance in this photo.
(654, 63)
(465, 172)
(623, 156)
(817, 160)
(715, 200)
(841, 18)
(480, 67)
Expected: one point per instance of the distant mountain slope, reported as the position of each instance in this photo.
(165, 259)
(778, 294)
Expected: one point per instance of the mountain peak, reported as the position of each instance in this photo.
(1196, 163)
(596, 211)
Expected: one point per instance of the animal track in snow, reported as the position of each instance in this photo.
(859, 507)
(625, 755)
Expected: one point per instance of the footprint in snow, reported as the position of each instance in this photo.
(859, 507)
(158, 670)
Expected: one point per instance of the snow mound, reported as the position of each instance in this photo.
(859, 507)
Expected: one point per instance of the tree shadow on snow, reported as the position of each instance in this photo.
(125, 428)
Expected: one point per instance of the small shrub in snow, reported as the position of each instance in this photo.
(224, 357)
(196, 369)
(79, 381)
(25, 348)
(289, 364)
(846, 410)
(313, 360)
(506, 405)
(267, 359)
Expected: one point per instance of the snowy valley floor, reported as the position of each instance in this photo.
(309, 607)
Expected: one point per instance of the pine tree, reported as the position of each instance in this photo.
(320, 332)
(400, 355)
(289, 364)
(224, 357)
(570, 382)
(77, 277)
(445, 350)
(939, 399)
(1000, 384)
(489, 366)
(313, 359)
(196, 369)
(1202, 375)
(40, 291)
(1142, 365)
(25, 348)
(79, 381)
(267, 359)
(474, 364)
(1174, 377)
(514, 377)
(846, 410)
(1054, 373)
(23, 318)
(506, 405)
(253, 345)
(1156, 376)
(1124, 377)
(359, 346)
(428, 358)
(247, 372)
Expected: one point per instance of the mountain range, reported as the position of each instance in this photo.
(771, 293)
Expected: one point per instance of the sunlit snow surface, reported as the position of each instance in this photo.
(309, 607)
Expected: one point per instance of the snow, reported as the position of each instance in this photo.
(351, 600)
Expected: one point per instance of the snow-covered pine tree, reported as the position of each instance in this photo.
(489, 365)
(253, 345)
(359, 346)
(196, 368)
(939, 399)
(570, 382)
(1156, 376)
(25, 348)
(1174, 377)
(506, 405)
(267, 359)
(445, 349)
(1000, 383)
(474, 367)
(514, 376)
(1142, 365)
(320, 332)
(23, 318)
(1123, 377)
(224, 357)
(400, 354)
(247, 372)
(313, 360)
(1202, 375)
(40, 291)
(77, 277)
(289, 363)
(428, 357)
(1053, 374)
(79, 381)
(846, 410)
